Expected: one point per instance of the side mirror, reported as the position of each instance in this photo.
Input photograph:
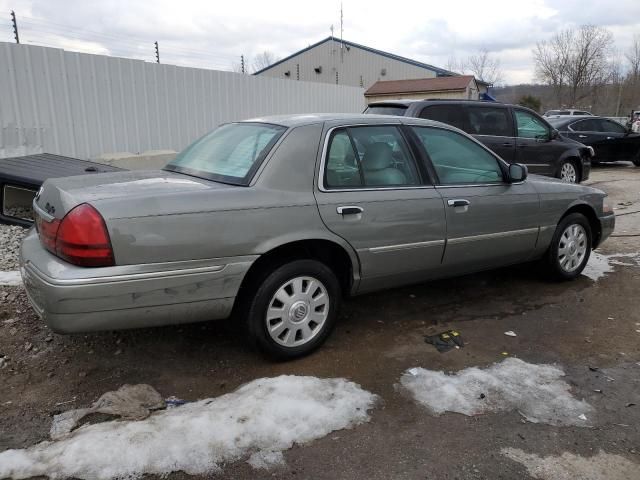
(517, 173)
(554, 134)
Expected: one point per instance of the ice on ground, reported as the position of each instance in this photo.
(264, 460)
(264, 415)
(602, 466)
(11, 278)
(599, 264)
(537, 392)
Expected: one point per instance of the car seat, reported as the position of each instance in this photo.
(378, 166)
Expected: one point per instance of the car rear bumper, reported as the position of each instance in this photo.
(76, 299)
(607, 225)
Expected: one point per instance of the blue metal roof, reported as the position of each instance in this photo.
(438, 71)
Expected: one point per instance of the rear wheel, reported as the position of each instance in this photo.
(570, 247)
(568, 172)
(294, 309)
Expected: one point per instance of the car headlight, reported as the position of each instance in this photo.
(607, 206)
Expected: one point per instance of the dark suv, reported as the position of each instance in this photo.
(515, 133)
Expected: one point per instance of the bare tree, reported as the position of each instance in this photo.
(455, 65)
(484, 67)
(633, 57)
(263, 60)
(575, 62)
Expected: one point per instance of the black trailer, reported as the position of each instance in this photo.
(21, 178)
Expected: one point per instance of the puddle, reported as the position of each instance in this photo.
(600, 265)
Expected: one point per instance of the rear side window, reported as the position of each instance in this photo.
(386, 110)
(457, 159)
(588, 125)
(530, 126)
(490, 121)
(375, 156)
(449, 114)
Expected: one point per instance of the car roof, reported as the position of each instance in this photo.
(297, 120)
(434, 101)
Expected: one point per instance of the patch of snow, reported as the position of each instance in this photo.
(599, 264)
(11, 278)
(264, 415)
(265, 460)
(535, 391)
(568, 466)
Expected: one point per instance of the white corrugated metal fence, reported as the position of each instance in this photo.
(85, 105)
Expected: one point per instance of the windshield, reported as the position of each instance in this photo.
(386, 110)
(229, 154)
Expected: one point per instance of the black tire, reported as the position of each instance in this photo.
(574, 164)
(264, 291)
(553, 259)
(636, 161)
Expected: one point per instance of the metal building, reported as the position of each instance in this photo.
(346, 63)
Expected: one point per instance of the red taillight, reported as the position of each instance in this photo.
(80, 238)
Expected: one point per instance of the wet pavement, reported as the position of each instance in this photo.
(575, 325)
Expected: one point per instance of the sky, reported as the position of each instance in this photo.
(214, 33)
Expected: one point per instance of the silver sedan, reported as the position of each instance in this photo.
(274, 220)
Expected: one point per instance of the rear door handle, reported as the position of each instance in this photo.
(349, 210)
(458, 202)
(507, 144)
(582, 136)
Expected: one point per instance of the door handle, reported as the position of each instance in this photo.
(582, 136)
(507, 144)
(349, 210)
(458, 202)
(609, 138)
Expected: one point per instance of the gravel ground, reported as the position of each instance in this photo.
(10, 238)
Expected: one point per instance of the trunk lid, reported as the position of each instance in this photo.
(59, 195)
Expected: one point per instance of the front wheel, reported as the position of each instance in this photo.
(294, 309)
(568, 172)
(570, 247)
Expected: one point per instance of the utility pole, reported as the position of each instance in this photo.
(157, 53)
(341, 40)
(242, 63)
(15, 26)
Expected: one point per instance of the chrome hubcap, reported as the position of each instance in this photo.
(572, 248)
(297, 311)
(568, 173)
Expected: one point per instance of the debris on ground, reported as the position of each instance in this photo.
(172, 402)
(265, 415)
(130, 402)
(445, 341)
(10, 238)
(537, 392)
(11, 278)
(510, 333)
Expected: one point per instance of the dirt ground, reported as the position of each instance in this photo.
(575, 325)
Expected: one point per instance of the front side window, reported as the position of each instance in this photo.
(375, 156)
(230, 154)
(490, 121)
(530, 126)
(610, 126)
(457, 159)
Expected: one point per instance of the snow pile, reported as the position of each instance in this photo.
(264, 460)
(599, 265)
(602, 466)
(267, 415)
(535, 391)
(11, 278)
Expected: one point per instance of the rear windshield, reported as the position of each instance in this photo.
(230, 154)
(386, 110)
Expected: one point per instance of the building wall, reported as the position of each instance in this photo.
(85, 106)
(355, 67)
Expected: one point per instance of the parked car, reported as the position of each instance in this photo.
(276, 219)
(610, 140)
(515, 133)
(565, 112)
